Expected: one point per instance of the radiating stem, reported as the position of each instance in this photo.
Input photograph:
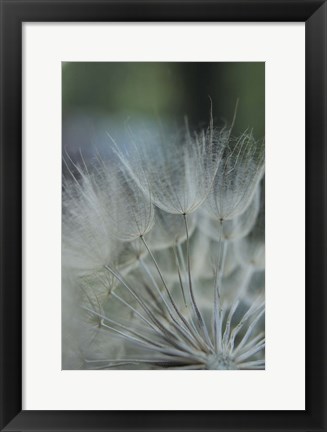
(201, 322)
(186, 332)
(181, 317)
(217, 317)
(180, 272)
(157, 323)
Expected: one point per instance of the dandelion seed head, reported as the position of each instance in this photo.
(164, 245)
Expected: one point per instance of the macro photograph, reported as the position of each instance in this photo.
(163, 216)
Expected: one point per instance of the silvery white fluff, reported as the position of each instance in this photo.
(240, 170)
(163, 254)
(169, 230)
(235, 228)
(176, 169)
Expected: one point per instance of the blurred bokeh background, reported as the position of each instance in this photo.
(101, 97)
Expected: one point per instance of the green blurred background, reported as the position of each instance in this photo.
(165, 91)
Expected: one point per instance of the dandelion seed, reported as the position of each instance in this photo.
(235, 228)
(240, 170)
(177, 170)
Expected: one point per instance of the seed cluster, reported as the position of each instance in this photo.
(163, 253)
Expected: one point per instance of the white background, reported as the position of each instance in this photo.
(281, 385)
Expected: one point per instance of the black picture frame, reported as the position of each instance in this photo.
(16, 12)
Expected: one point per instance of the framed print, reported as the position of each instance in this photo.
(163, 215)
